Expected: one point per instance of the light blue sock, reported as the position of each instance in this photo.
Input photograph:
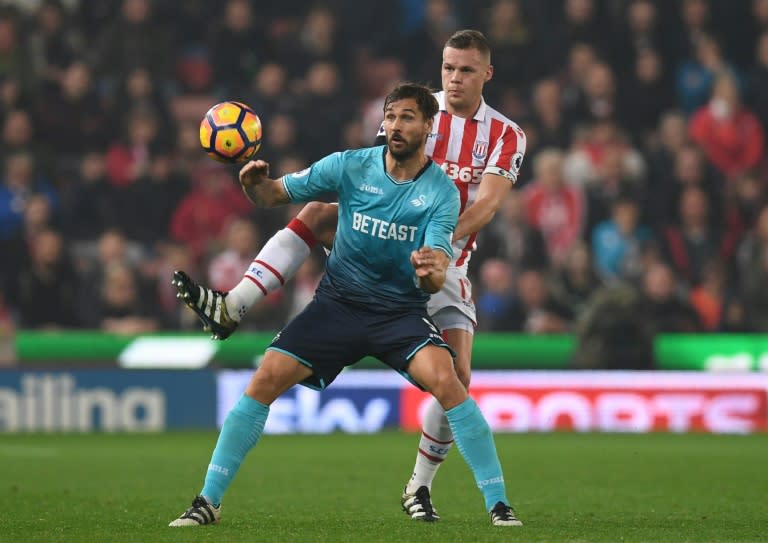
(241, 431)
(474, 439)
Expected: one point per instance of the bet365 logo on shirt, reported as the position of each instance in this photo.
(467, 174)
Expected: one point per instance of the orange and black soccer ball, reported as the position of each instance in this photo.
(230, 132)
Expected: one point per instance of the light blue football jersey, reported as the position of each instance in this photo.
(381, 220)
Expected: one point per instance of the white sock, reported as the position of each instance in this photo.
(277, 262)
(436, 440)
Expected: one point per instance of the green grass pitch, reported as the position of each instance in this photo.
(337, 488)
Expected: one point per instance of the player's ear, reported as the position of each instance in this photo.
(489, 72)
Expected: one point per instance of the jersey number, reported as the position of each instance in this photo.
(466, 174)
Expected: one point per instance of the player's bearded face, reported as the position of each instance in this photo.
(464, 73)
(405, 129)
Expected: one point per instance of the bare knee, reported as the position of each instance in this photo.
(276, 374)
(264, 386)
(447, 389)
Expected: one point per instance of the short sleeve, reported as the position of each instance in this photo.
(322, 177)
(507, 153)
(443, 222)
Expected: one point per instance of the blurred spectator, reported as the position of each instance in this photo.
(89, 202)
(270, 94)
(689, 168)
(747, 39)
(696, 75)
(665, 307)
(753, 274)
(661, 150)
(729, 133)
(641, 30)
(512, 238)
(53, 44)
(19, 184)
(70, 117)
(536, 310)
(757, 88)
(619, 242)
(696, 18)
(320, 39)
(696, 240)
(439, 23)
(225, 269)
(129, 158)
(203, 214)
(645, 94)
(45, 290)
(496, 301)
(573, 76)
(14, 56)
(590, 148)
(749, 196)
(576, 281)
(513, 46)
(323, 109)
(111, 247)
(238, 43)
(598, 96)
(551, 125)
(578, 23)
(157, 193)
(282, 139)
(611, 181)
(139, 90)
(613, 332)
(12, 96)
(171, 256)
(133, 39)
(18, 135)
(554, 207)
(119, 306)
(15, 250)
(713, 302)
(352, 135)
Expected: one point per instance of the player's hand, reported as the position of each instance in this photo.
(424, 261)
(254, 173)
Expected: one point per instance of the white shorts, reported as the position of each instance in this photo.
(455, 295)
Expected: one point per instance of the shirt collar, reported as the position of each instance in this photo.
(479, 114)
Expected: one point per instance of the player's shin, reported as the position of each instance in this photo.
(277, 262)
(475, 442)
(241, 431)
(435, 443)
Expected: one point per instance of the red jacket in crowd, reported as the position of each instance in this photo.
(734, 144)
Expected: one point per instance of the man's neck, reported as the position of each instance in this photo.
(465, 113)
(408, 168)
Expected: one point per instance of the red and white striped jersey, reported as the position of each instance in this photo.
(468, 148)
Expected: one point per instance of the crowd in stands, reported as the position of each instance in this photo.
(643, 193)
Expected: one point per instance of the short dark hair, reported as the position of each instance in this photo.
(425, 100)
(470, 39)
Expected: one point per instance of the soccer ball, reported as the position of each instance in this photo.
(230, 132)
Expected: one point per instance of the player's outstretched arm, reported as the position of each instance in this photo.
(259, 188)
(430, 265)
